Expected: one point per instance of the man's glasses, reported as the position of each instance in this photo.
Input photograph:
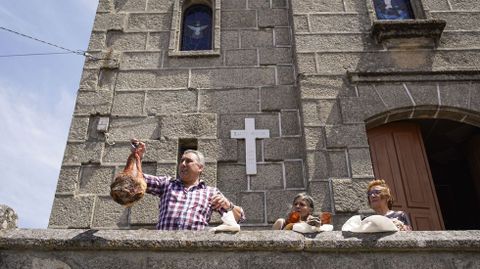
(372, 192)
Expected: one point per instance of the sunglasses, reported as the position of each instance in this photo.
(372, 192)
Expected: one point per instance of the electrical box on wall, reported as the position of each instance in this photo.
(102, 125)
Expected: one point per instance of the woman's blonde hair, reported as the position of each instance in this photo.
(385, 192)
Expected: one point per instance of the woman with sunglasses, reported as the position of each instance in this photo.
(380, 200)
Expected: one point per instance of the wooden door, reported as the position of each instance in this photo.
(398, 157)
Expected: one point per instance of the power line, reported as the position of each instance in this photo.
(45, 42)
(33, 54)
(79, 52)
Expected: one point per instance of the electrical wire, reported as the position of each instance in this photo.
(33, 54)
(79, 52)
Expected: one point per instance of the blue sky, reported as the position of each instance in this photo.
(37, 97)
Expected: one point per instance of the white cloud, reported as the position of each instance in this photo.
(37, 97)
(32, 142)
(34, 128)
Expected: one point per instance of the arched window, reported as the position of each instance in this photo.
(197, 28)
(393, 9)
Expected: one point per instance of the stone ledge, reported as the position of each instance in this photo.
(71, 249)
(413, 76)
(73, 239)
(194, 53)
(389, 29)
(77, 239)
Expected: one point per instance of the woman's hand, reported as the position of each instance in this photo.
(314, 221)
(400, 225)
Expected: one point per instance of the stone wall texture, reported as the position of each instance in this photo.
(147, 93)
(308, 71)
(420, 78)
(8, 218)
(73, 248)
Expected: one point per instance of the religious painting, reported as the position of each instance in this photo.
(197, 28)
(393, 9)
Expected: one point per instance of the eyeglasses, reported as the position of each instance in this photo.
(372, 192)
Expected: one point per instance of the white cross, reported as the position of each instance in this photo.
(250, 134)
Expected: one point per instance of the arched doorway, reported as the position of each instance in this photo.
(453, 151)
(433, 167)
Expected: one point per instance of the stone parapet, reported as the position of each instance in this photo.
(22, 248)
(133, 240)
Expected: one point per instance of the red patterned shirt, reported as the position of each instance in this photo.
(182, 208)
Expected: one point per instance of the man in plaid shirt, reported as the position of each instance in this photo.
(186, 203)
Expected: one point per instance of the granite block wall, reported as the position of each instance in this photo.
(349, 82)
(311, 72)
(161, 98)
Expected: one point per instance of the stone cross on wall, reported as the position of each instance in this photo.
(250, 135)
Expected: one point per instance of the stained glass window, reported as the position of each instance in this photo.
(393, 9)
(197, 28)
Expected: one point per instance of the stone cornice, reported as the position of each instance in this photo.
(386, 29)
(403, 76)
(74, 239)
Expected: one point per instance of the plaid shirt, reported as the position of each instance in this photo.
(181, 208)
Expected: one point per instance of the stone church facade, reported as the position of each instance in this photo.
(346, 98)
